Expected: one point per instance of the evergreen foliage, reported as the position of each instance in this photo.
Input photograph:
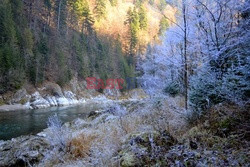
(100, 9)
(163, 26)
(143, 17)
(173, 89)
(31, 50)
(113, 2)
(133, 21)
(10, 59)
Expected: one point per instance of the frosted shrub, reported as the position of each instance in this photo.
(58, 137)
(173, 89)
(117, 110)
(54, 122)
(205, 91)
(106, 144)
(223, 73)
(236, 87)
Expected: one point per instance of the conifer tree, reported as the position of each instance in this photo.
(113, 2)
(133, 21)
(10, 60)
(143, 18)
(88, 21)
(61, 15)
(100, 9)
(82, 11)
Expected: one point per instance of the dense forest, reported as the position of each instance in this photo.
(54, 40)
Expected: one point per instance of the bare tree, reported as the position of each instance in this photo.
(184, 15)
(184, 28)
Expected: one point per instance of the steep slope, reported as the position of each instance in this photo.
(54, 40)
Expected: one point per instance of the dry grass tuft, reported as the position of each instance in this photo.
(79, 147)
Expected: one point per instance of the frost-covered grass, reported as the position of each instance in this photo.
(99, 142)
(146, 132)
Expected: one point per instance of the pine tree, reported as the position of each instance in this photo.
(7, 25)
(48, 6)
(10, 60)
(143, 18)
(82, 10)
(88, 21)
(100, 9)
(133, 21)
(61, 16)
(113, 2)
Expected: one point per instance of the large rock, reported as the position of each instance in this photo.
(53, 89)
(68, 98)
(62, 101)
(52, 100)
(23, 151)
(37, 101)
(71, 97)
(21, 97)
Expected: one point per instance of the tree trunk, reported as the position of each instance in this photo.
(185, 53)
(59, 15)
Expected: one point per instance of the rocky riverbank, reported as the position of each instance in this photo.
(51, 94)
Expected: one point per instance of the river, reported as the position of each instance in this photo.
(25, 122)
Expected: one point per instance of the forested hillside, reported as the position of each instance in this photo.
(54, 40)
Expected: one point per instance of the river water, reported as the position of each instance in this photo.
(17, 123)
